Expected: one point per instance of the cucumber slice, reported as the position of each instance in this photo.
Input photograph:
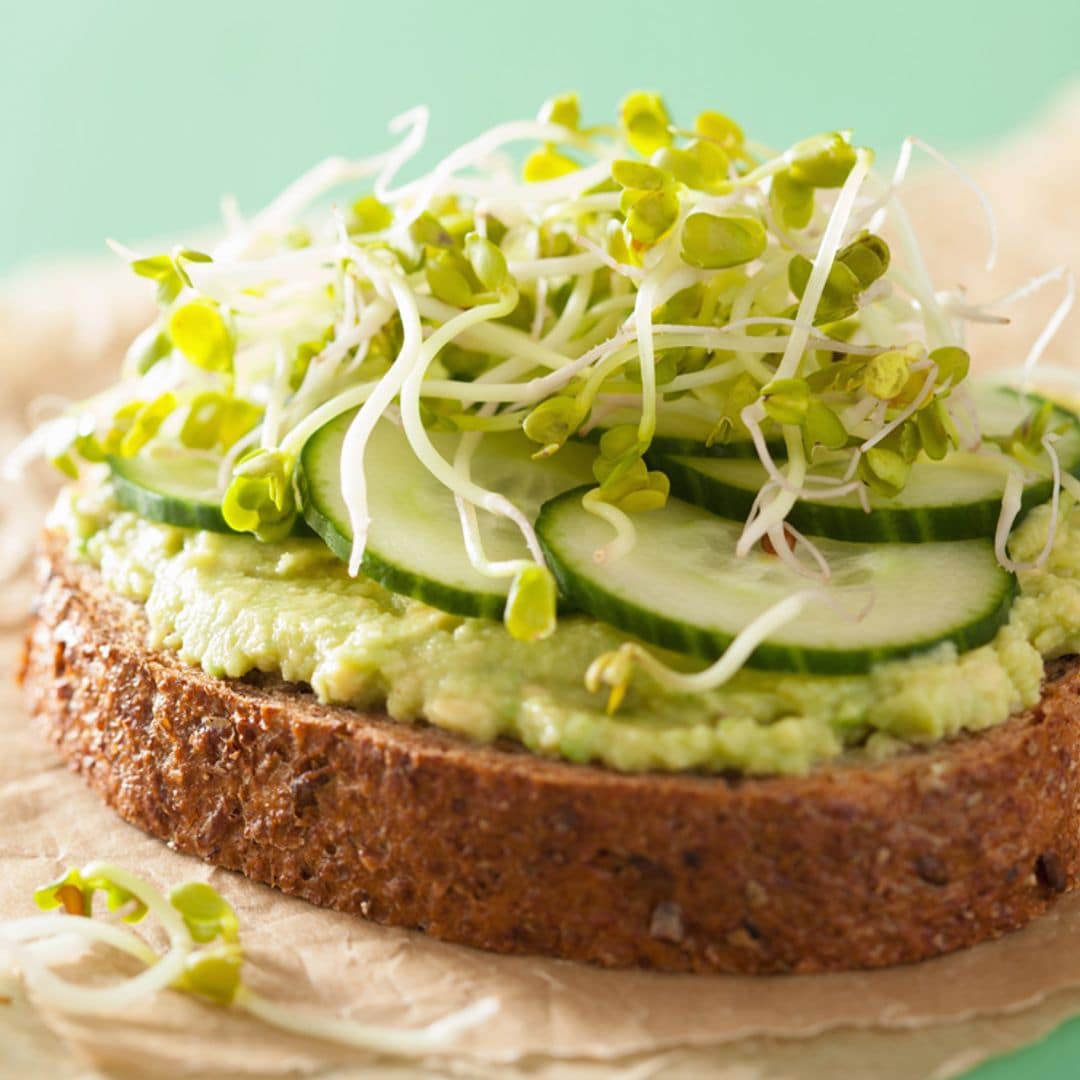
(1002, 408)
(958, 498)
(169, 486)
(176, 487)
(415, 546)
(682, 587)
(681, 432)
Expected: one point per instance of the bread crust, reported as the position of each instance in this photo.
(856, 866)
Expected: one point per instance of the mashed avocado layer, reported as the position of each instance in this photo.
(232, 605)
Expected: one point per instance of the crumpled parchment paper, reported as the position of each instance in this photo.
(65, 329)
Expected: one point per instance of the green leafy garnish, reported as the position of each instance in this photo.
(552, 422)
(74, 892)
(786, 401)
(530, 606)
(565, 109)
(218, 421)
(370, 216)
(203, 957)
(199, 330)
(792, 200)
(260, 497)
(823, 161)
(625, 480)
(168, 271)
(547, 163)
(645, 122)
(547, 276)
(214, 974)
(715, 241)
(207, 915)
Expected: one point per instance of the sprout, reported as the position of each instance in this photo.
(259, 498)
(74, 892)
(1026, 440)
(884, 471)
(831, 242)
(838, 295)
(786, 401)
(200, 332)
(652, 215)
(825, 161)
(552, 422)
(643, 267)
(638, 175)
(530, 606)
(702, 166)
(213, 974)
(203, 957)
(547, 164)
(168, 271)
(742, 393)
(469, 277)
(936, 430)
(625, 480)
(886, 374)
(207, 915)
(565, 109)
(369, 215)
(487, 261)
(856, 267)
(824, 427)
(791, 200)
(867, 257)
(615, 669)
(716, 242)
(719, 129)
(450, 278)
(150, 347)
(644, 120)
(1012, 506)
(134, 425)
(953, 364)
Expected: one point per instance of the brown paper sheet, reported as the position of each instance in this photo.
(555, 1019)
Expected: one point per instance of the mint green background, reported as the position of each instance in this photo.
(129, 118)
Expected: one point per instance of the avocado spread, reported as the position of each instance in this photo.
(233, 605)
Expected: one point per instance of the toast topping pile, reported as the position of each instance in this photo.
(652, 370)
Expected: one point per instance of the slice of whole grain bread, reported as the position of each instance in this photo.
(856, 865)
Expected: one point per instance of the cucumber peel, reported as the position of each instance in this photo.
(958, 498)
(415, 545)
(683, 588)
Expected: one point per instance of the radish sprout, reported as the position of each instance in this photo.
(204, 958)
(615, 285)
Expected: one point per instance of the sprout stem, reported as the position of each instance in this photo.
(830, 243)
(715, 675)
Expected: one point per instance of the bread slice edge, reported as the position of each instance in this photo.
(853, 866)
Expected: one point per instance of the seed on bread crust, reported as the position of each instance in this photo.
(1050, 871)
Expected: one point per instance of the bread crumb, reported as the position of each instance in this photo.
(666, 923)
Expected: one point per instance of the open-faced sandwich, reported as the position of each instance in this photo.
(603, 552)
